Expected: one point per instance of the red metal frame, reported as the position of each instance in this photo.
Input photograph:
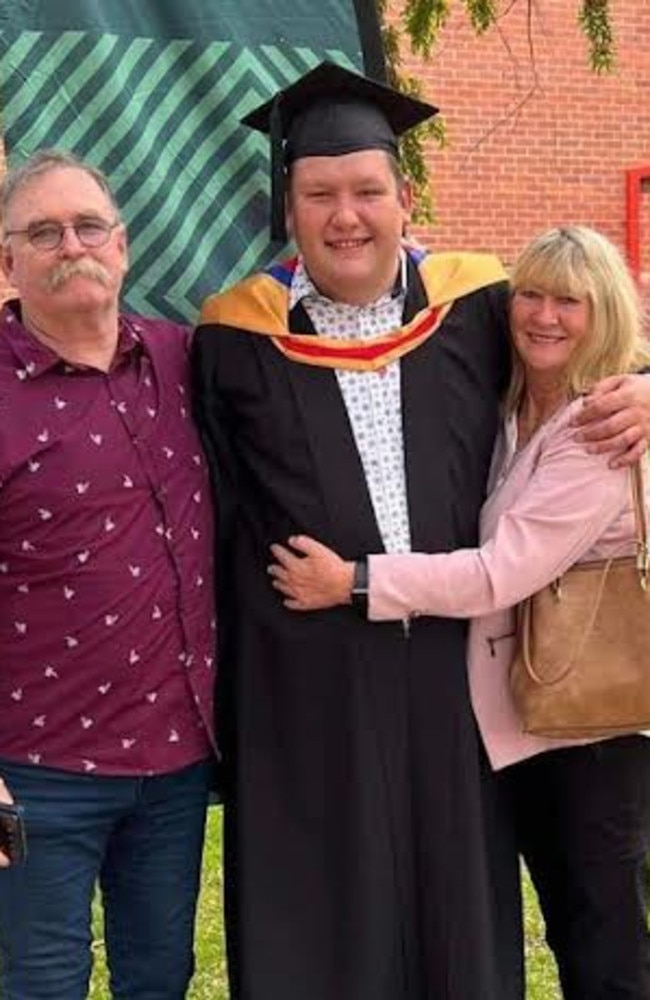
(634, 178)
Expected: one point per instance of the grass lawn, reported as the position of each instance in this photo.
(210, 979)
(540, 968)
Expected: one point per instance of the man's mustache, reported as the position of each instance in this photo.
(86, 267)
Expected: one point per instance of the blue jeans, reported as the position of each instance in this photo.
(142, 840)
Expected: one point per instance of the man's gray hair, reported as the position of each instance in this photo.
(42, 162)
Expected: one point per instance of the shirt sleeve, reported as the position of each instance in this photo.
(567, 504)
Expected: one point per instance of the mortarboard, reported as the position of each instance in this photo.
(331, 111)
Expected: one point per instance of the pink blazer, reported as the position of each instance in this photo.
(550, 505)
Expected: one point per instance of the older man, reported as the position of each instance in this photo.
(353, 392)
(106, 620)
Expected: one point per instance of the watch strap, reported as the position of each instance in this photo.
(360, 580)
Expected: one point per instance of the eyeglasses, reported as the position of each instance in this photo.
(49, 235)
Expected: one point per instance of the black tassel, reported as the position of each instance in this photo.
(278, 225)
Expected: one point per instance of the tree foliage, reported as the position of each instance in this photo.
(421, 21)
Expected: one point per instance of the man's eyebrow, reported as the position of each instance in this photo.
(35, 223)
(82, 216)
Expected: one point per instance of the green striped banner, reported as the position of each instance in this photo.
(152, 93)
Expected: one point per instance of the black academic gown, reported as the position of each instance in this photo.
(363, 854)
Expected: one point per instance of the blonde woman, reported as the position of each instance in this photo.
(581, 810)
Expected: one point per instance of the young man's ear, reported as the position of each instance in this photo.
(406, 199)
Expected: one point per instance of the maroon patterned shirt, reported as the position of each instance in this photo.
(107, 628)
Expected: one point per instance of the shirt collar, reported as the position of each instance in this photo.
(35, 358)
(302, 286)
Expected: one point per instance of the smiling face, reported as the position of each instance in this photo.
(547, 330)
(347, 215)
(71, 279)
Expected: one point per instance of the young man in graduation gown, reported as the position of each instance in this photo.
(351, 394)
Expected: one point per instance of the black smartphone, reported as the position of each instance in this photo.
(13, 841)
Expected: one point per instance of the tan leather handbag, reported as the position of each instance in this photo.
(582, 666)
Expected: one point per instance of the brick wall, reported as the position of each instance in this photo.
(531, 147)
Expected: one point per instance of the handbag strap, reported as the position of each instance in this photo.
(640, 522)
(526, 632)
(643, 568)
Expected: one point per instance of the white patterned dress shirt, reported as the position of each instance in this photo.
(373, 400)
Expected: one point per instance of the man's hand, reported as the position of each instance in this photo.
(6, 798)
(615, 418)
(310, 575)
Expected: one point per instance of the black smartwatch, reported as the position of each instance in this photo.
(359, 594)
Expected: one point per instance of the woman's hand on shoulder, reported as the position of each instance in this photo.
(309, 575)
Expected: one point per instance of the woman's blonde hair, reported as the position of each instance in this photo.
(578, 262)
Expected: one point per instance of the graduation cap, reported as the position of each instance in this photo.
(330, 111)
